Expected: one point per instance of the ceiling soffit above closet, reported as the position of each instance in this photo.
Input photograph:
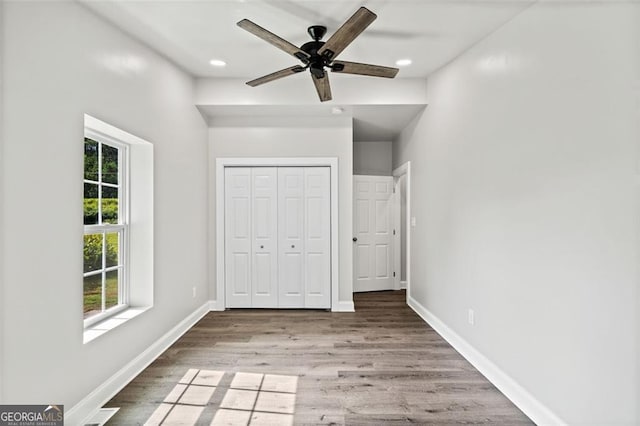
(371, 123)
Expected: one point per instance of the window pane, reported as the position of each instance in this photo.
(113, 249)
(109, 204)
(113, 288)
(92, 252)
(90, 159)
(109, 164)
(90, 204)
(92, 295)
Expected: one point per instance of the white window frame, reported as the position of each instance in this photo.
(122, 227)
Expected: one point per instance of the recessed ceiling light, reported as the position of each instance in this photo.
(337, 110)
(403, 62)
(217, 63)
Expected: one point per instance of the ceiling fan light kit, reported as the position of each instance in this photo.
(317, 56)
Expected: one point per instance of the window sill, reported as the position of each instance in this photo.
(96, 330)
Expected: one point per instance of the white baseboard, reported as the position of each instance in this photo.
(344, 306)
(403, 285)
(526, 402)
(215, 305)
(80, 413)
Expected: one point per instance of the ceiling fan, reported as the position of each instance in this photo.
(318, 55)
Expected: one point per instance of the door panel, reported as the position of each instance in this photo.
(382, 266)
(237, 237)
(373, 229)
(362, 215)
(265, 237)
(316, 278)
(240, 267)
(362, 261)
(382, 217)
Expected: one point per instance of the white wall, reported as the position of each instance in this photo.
(2, 203)
(328, 138)
(402, 183)
(372, 158)
(525, 169)
(60, 62)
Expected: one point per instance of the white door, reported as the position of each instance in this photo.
(373, 233)
(317, 237)
(238, 240)
(277, 237)
(291, 237)
(264, 214)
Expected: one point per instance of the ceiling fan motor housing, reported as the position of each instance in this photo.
(316, 61)
(317, 32)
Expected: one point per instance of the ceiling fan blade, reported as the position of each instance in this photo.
(364, 69)
(275, 75)
(273, 39)
(322, 87)
(347, 33)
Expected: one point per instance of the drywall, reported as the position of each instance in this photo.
(402, 183)
(325, 138)
(526, 172)
(60, 62)
(372, 158)
(2, 203)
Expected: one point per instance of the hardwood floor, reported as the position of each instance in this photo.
(380, 365)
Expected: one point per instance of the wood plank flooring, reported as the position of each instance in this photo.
(381, 365)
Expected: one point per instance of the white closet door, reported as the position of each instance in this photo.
(238, 241)
(291, 237)
(317, 237)
(372, 225)
(264, 214)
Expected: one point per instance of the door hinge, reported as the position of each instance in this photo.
(394, 232)
(394, 274)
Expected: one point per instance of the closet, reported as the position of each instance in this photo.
(277, 237)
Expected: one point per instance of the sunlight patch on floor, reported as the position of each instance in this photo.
(250, 399)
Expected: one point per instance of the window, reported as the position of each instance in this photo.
(105, 228)
(118, 227)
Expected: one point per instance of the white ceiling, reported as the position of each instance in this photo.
(429, 32)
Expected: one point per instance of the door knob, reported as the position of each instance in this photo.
(355, 239)
(293, 246)
(261, 246)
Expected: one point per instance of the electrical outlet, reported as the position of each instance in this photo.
(194, 292)
(471, 317)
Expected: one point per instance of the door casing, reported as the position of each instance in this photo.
(405, 170)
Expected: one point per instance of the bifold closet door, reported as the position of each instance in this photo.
(251, 265)
(264, 218)
(277, 237)
(304, 259)
(317, 237)
(237, 237)
(291, 237)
